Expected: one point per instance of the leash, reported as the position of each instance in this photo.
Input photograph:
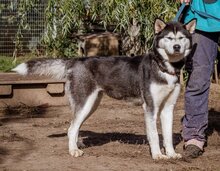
(176, 19)
(202, 14)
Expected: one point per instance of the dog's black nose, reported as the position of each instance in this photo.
(176, 47)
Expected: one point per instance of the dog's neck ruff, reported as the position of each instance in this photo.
(171, 68)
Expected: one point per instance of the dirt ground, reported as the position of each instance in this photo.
(35, 139)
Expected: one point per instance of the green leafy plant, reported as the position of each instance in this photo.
(6, 64)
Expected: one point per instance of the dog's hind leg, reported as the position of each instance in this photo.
(82, 112)
(151, 130)
(167, 123)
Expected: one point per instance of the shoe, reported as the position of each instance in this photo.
(191, 152)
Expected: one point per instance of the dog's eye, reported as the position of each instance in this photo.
(170, 38)
(181, 38)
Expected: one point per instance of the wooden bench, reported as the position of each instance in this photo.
(31, 90)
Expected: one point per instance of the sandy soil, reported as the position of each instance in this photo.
(35, 139)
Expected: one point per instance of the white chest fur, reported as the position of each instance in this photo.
(161, 92)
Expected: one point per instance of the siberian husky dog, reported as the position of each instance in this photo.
(153, 77)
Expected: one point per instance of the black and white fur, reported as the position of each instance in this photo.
(152, 77)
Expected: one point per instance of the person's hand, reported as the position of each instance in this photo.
(186, 1)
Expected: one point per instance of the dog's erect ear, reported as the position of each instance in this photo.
(159, 25)
(191, 26)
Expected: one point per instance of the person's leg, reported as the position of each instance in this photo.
(200, 68)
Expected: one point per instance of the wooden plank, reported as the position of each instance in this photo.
(14, 78)
(55, 88)
(5, 90)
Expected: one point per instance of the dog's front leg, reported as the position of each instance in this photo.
(151, 130)
(167, 123)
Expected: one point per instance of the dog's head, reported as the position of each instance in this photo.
(173, 40)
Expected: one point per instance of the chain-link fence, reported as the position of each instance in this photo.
(21, 29)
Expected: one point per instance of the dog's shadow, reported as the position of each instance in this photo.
(91, 138)
(214, 120)
(98, 139)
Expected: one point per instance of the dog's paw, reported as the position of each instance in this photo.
(80, 144)
(160, 157)
(174, 156)
(76, 152)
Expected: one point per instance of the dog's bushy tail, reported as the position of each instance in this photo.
(55, 68)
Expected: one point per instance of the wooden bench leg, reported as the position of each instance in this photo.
(216, 73)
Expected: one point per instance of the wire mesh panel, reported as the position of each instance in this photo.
(21, 26)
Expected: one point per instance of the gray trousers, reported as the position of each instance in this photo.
(200, 67)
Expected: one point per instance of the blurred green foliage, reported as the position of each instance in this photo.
(64, 18)
(68, 16)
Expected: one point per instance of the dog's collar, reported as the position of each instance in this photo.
(163, 66)
(166, 70)
(171, 73)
